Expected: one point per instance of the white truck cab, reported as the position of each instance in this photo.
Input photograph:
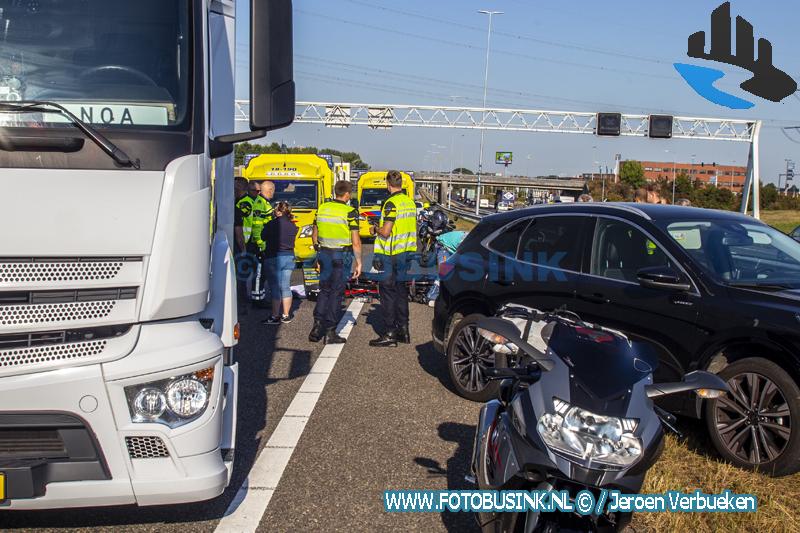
(118, 379)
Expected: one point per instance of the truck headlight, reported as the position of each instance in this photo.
(173, 401)
(305, 231)
(601, 441)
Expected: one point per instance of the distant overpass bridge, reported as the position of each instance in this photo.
(440, 182)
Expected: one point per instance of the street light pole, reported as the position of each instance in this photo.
(485, 89)
(673, 180)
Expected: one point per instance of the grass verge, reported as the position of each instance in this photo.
(687, 465)
(785, 220)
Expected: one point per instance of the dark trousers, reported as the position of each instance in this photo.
(394, 291)
(334, 270)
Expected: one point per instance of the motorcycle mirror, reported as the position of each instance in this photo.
(504, 331)
(705, 385)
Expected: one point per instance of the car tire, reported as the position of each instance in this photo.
(464, 342)
(772, 420)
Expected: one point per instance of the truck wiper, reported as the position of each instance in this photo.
(36, 106)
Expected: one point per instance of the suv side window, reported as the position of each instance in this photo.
(507, 240)
(553, 241)
(619, 250)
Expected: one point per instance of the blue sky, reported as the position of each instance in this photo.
(580, 55)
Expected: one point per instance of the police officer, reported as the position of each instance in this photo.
(245, 207)
(335, 237)
(395, 241)
(262, 213)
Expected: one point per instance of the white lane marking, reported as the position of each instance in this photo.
(250, 503)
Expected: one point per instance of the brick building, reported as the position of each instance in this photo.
(727, 176)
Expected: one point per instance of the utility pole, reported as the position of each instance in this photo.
(673, 180)
(483, 121)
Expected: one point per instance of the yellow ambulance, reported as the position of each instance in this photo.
(371, 195)
(305, 181)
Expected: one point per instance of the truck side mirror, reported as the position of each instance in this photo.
(272, 95)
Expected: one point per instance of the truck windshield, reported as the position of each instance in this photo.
(371, 197)
(113, 63)
(739, 253)
(299, 194)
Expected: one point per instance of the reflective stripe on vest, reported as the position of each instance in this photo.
(262, 213)
(247, 221)
(404, 230)
(333, 228)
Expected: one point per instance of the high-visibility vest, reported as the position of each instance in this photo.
(245, 205)
(404, 230)
(333, 227)
(262, 213)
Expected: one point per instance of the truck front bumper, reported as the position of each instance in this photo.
(118, 461)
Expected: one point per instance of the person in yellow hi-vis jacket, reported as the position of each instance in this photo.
(395, 242)
(338, 245)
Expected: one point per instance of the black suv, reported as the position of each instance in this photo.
(713, 290)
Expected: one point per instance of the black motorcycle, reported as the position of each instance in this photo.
(576, 413)
(430, 224)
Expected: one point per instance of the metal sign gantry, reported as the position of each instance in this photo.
(384, 116)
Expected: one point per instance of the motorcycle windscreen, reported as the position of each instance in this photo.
(604, 366)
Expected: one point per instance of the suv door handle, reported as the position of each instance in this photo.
(595, 297)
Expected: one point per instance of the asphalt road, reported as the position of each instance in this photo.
(385, 420)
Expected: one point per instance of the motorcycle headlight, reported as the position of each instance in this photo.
(305, 231)
(173, 401)
(601, 441)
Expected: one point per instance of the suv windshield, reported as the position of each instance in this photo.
(110, 62)
(740, 253)
(298, 194)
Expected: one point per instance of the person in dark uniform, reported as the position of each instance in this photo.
(335, 237)
(395, 242)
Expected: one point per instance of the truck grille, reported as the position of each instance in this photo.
(53, 346)
(146, 447)
(37, 270)
(42, 308)
(31, 444)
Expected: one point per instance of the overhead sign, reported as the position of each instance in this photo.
(503, 158)
(380, 118)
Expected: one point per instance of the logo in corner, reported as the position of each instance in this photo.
(768, 82)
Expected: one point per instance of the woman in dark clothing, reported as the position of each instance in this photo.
(279, 235)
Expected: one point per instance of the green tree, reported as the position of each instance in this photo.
(713, 197)
(683, 186)
(769, 196)
(631, 173)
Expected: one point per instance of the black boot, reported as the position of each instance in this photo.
(403, 335)
(331, 337)
(387, 340)
(317, 332)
